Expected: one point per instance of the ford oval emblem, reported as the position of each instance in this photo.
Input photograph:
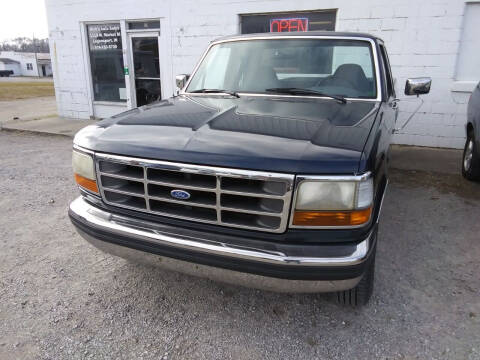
(180, 194)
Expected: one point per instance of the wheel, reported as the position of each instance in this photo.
(360, 294)
(471, 159)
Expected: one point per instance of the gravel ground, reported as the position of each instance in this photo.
(60, 298)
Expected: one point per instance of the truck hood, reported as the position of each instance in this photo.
(281, 134)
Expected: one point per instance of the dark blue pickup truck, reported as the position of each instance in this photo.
(268, 169)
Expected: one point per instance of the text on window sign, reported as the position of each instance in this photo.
(289, 25)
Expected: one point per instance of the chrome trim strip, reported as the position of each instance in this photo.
(253, 212)
(361, 177)
(129, 193)
(252, 194)
(356, 38)
(235, 278)
(216, 172)
(301, 178)
(123, 177)
(145, 189)
(196, 169)
(146, 231)
(82, 149)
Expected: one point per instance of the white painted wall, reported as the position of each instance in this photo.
(24, 59)
(422, 38)
(14, 67)
(468, 64)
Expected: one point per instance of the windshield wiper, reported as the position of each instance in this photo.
(207, 91)
(299, 91)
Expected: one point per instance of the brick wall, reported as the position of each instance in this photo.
(422, 39)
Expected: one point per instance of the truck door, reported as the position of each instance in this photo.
(389, 106)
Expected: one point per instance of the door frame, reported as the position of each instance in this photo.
(141, 34)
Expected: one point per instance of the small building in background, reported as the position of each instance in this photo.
(26, 64)
(13, 66)
(44, 64)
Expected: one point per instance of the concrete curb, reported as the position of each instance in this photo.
(34, 132)
(51, 125)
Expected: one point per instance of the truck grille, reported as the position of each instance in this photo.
(246, 199)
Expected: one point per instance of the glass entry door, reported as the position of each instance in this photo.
(146, 69)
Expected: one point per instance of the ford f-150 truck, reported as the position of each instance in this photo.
(268, 168)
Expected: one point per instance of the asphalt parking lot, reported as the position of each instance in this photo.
(63, 299)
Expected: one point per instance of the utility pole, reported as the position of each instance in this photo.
(35, 51)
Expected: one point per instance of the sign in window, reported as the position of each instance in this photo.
(289, 25)
(106, 61)
(288, 22)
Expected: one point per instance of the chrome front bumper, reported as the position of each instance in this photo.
(140, 231)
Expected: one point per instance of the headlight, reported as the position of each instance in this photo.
(84, 171)
(330, 203)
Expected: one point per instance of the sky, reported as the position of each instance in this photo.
(23, 18)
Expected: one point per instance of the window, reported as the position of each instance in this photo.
(106, 61)
(218, 61)
(288, 22)
(29, 66)
(333, 67)
(144, 25)
(468, 61)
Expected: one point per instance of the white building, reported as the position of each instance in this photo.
(26, 64)
(105, 55)
(12, 65)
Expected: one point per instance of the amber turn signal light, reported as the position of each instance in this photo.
(332, 218)
(86, 183)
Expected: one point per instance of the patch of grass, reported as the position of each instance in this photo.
(25, 90)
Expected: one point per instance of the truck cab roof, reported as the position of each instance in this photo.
(301, 34)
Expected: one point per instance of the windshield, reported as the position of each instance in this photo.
(332, 67)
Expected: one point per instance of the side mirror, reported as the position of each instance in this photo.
(181, 80)
(418, 86)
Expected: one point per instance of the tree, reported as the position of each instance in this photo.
(24, 44)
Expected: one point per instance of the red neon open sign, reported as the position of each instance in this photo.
(288, 25)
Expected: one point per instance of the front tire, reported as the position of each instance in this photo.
(360, 294)
(471, 159)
